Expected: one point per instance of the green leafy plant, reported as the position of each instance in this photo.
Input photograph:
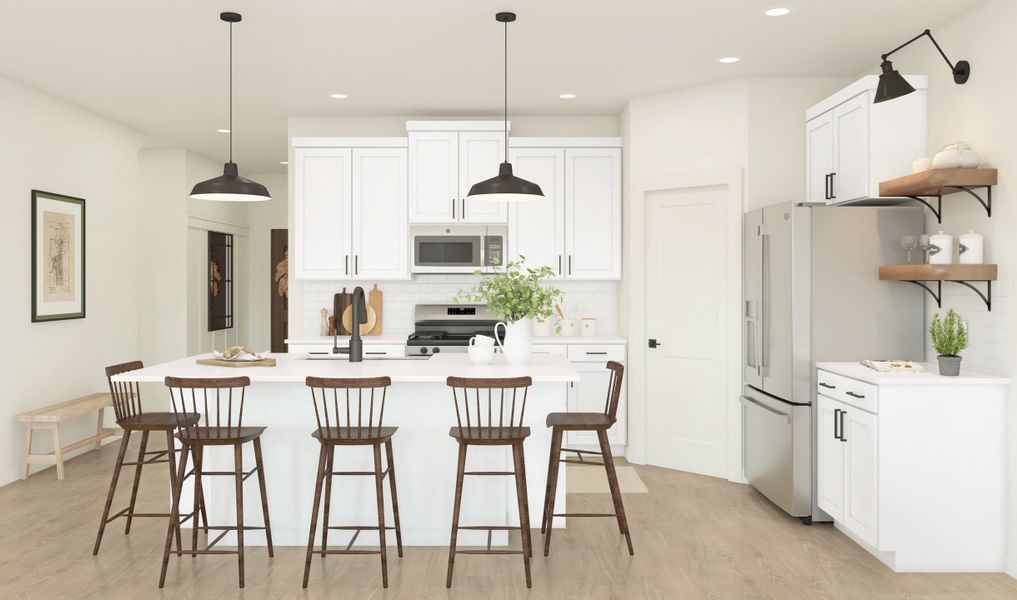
(949, 336)
(514, 292)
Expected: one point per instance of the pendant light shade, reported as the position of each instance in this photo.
(505, 187)
(230, 186)
(891, 84)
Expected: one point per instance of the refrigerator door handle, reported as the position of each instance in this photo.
(776, 414)
(761, 318)
(752, 348)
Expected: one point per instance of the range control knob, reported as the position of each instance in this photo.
(436, 350)
(423, 350)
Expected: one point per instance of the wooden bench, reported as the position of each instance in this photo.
(50, 417)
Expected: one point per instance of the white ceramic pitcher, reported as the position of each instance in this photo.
(518, 344)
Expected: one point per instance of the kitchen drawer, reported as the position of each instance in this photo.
(370, 350)
(849, 391)
(552, 349)
(596, 352)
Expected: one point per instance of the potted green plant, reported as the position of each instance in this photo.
(515, 294)
(949, 336)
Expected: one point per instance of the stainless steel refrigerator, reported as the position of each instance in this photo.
(812, 293)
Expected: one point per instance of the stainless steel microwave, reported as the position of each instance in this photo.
(457, 248)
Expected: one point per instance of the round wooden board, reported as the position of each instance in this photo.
(372, 319)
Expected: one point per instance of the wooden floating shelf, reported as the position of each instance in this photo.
(937, 182)
(953, 272)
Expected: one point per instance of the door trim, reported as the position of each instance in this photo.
(634, 303)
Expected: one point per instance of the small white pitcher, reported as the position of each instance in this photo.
(518, 344)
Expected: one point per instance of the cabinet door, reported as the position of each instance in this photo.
(830, 470)
(860, 470)
(593, 210)
(590, 395)
(480, 154)
(434, 177)
(379, 214)
(537, 229)
(321, 205)
(851, 149)
(818, 157)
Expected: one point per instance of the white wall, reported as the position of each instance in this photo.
(981, 113)
(262, 218)
(51, 145)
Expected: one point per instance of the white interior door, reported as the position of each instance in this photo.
(434, 176)
(688, 249)
(537, 229)
(321, 186)
(480, 155)
(379, 214)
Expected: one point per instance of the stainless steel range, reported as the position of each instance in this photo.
(448, 327)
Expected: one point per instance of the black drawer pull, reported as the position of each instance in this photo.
(827, 386)
(854, 395)
(381, 353)
(590, 353)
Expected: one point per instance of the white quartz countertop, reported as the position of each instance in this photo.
(931, 375)
(293, 368)
(344, 340)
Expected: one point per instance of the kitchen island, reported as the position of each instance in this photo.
(420, 404)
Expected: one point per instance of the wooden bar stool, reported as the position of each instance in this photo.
(215, 399)
(362, 401)
(131, 418)
(601, 423)
(486, 415)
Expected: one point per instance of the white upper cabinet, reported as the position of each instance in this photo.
(350, 211)
(434, 176)
(379, 239)
(852, 144)
(321, 185)
(443, 166)
(593, 226)
(480, 155)
(537, 228)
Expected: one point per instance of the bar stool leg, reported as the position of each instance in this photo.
(318, 480)
(112, 489)
(171, 460)
(524, 508)
(174, 520)
(395, 499)
(552, 457)
(137, 480)
(201, 497)
(379, 491)
(612, 480)
(328, 498)
(238, 475)
(455, 513)
(553, 476)
(199, 456)
(264, 496)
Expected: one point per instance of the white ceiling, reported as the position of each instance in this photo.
(160, 66)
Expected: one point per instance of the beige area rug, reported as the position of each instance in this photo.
(593, 480)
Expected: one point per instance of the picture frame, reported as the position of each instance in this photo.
(58, 257)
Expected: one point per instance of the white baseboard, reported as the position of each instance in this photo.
(10, 476)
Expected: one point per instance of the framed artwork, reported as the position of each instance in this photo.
(58, 257)
(220, 280)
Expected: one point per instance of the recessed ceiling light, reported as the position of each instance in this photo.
(284, 162)
(566, 96)
(222, 130)
(727, 60)
(340, 96)
(777, 12)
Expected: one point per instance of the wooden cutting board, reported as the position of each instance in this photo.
(345, 299)
(218, 362)
(365, 328)
(374, 301)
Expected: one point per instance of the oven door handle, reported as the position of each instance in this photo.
(776, 414)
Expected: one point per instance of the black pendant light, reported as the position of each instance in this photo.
(505, 187)
(893, 85)
(230, 186)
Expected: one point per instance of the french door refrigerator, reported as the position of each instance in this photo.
(811, 292)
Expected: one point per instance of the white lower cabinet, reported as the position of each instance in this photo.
(590, 393)
(913, 466)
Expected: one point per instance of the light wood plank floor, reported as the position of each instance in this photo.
(695, 537)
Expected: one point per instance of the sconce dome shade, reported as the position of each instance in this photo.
(891, 84)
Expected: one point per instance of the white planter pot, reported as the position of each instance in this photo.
(518, 341)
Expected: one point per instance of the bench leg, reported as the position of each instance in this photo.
(58, 451)
(28, 450)
(98, 427)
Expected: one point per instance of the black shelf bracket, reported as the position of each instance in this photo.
(937, 294)
(938, 209)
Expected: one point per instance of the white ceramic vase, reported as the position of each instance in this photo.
(518, 341)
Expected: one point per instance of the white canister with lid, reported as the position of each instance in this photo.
(971, 249)
(940, 249)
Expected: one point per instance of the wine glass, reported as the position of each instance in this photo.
(925, 243)
(909, 243)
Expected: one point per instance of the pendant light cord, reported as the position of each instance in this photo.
(231, 91)
(506, 94)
